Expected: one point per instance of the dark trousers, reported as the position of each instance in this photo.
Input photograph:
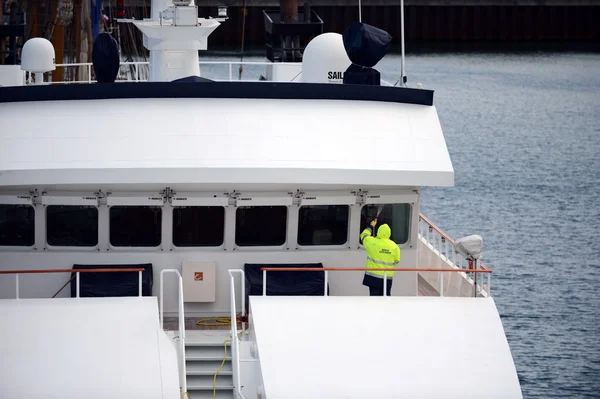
(378, 290)
(376, 285)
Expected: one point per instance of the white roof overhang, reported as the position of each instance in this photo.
(222, 141)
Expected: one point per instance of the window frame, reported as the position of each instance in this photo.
(24, 199)
(137, 200)
(69, 200)
(259, 200)
(378, 198)
(325, 198)
(198, 247)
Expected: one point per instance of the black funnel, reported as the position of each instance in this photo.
(105, 58)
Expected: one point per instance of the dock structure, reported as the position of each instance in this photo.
(434, 20)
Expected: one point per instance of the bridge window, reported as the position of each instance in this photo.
(135, 226)
(397, 216)
(198, 226)
(260, 226)
(72, 226)
(17, 227)
(323, 225)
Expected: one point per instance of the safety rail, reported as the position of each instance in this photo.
(385, 271)
(234, 334)
(77, 271)
(444, 244)
(140, 70)
(181, 317)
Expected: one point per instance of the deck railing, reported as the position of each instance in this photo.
(444, 245)
(385, 271)
(181, 317)
(77, 271)
(235, 346)
(137, 71)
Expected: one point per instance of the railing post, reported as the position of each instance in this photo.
(326, 282)
(161, 300)
(140, 283)
(385, 283)
(264, 283)
(441, 283)
(489, 279)
(230, 72)
(77, 284)
(17, 285)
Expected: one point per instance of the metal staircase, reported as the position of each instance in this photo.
(202, 360)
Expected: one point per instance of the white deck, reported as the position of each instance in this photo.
(95, 348)
(222, 143)
(375, 347)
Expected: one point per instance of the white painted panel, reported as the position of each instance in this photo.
(84, 200)
(264, 199)
(196, 199)
(93, 348)
(199, 281)
(327, 198)
(150, 200)
(16, 199)
(383, 347)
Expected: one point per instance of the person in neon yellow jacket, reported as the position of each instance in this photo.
(382, 253)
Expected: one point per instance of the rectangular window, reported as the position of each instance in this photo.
(323, 225)
(17, 225)
(135, 226)
(397, 216)
(198, 226)
(72, 226)
(260, 226)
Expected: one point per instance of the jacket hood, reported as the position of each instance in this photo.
(384, 231)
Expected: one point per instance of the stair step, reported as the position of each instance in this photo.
(201, 381)
(208, 372)
(205, 358)
(208, 394)
(221, 387)
(208, 366)
(212, 352)
(207, 344)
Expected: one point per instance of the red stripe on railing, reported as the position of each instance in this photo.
(340, 269)
(107, 270)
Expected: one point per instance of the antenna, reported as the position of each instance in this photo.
(402, 66)
(359, 12)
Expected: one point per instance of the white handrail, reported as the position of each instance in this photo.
(234, 335)
(181, 316)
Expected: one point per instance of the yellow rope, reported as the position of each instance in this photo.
(219, 369)
(220, 321)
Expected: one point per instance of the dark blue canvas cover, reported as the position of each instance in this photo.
(366, 45)
(105, 58)
(188, 79)
(113, 283)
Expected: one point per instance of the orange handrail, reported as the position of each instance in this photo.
(446, 236)
(388, 269)
(107, 270)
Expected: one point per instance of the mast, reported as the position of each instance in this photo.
(402, 65)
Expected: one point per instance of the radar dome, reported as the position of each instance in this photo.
(37, 56)
(325, 59)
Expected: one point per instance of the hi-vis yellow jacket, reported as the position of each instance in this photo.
(382, 252)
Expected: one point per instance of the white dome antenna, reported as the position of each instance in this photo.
(38, 57)
(325, 59)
